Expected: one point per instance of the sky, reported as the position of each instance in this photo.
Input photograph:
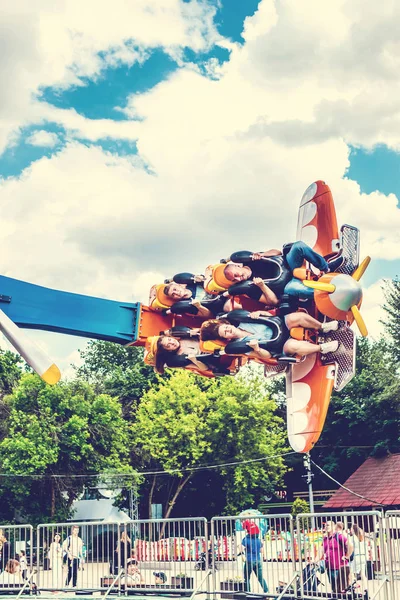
(140, 139)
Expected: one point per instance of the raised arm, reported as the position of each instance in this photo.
(268, 296)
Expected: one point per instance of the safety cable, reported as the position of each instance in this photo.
(344, 487)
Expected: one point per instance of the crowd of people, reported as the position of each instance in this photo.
(247, 306)
(343, 556)
(65, 559)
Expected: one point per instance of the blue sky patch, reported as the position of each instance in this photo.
(119, 147)
(377, 169)
(100, 99)
(380, 269)
(230, 17)
(19, 156)
(201, 59)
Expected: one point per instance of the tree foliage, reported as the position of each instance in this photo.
(118, 371)
(65, 429)
(180, 426)
(363, 418)
(392, 309)
(300, 506)
(10, 371)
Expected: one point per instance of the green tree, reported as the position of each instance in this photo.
(10, 374)
(118, 371)
(392, 309)
(299, 507)
(181, 425)
(10, 371)
(170, 431)
(244, 427)
(363, 418)
(63, 430)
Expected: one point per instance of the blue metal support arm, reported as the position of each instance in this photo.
(35, 307)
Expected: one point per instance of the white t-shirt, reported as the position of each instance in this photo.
(73, 545)
(132, 579)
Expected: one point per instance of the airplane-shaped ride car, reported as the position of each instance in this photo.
(310, 380)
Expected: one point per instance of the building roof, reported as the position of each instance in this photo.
(376, 479)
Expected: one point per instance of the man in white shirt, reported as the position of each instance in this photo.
(73, 547)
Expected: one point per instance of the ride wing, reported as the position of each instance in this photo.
(317, 224)
(309, 384)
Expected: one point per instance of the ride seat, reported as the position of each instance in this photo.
(158, 300)
(217, 282)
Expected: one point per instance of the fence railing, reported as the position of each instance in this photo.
(341, 555)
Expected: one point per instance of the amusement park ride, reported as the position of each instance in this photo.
(309, 380)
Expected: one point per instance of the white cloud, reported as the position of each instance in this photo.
(43, 138)
(58, 44)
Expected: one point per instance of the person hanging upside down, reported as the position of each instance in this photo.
(181, 348)
(263, 337)
(275, 267)
(189, 298)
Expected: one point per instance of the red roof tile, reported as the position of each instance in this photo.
(378, 479)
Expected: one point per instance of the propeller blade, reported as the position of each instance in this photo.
(359, 272)
(320, 286)
(359, 320)
(33, 354)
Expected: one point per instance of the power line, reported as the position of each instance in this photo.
(336, 446)
(141, 473)
(344, 487)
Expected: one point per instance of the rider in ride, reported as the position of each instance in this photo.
(180, 347)
(189, 298)
(258, 269)
(257, 336)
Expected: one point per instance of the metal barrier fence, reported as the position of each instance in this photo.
(393, 546)
(251, 554)
(142, 554)
(168, 552)
(16, 541)
(349, 552)
(79, 556)
(342, 556)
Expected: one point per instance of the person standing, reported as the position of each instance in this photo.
(23, 564)
(359, 563)
(334, 554)
(347, 547)
(122, 552)
(5, 550)
(253, 563)
(55, 557)
(73, 546)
